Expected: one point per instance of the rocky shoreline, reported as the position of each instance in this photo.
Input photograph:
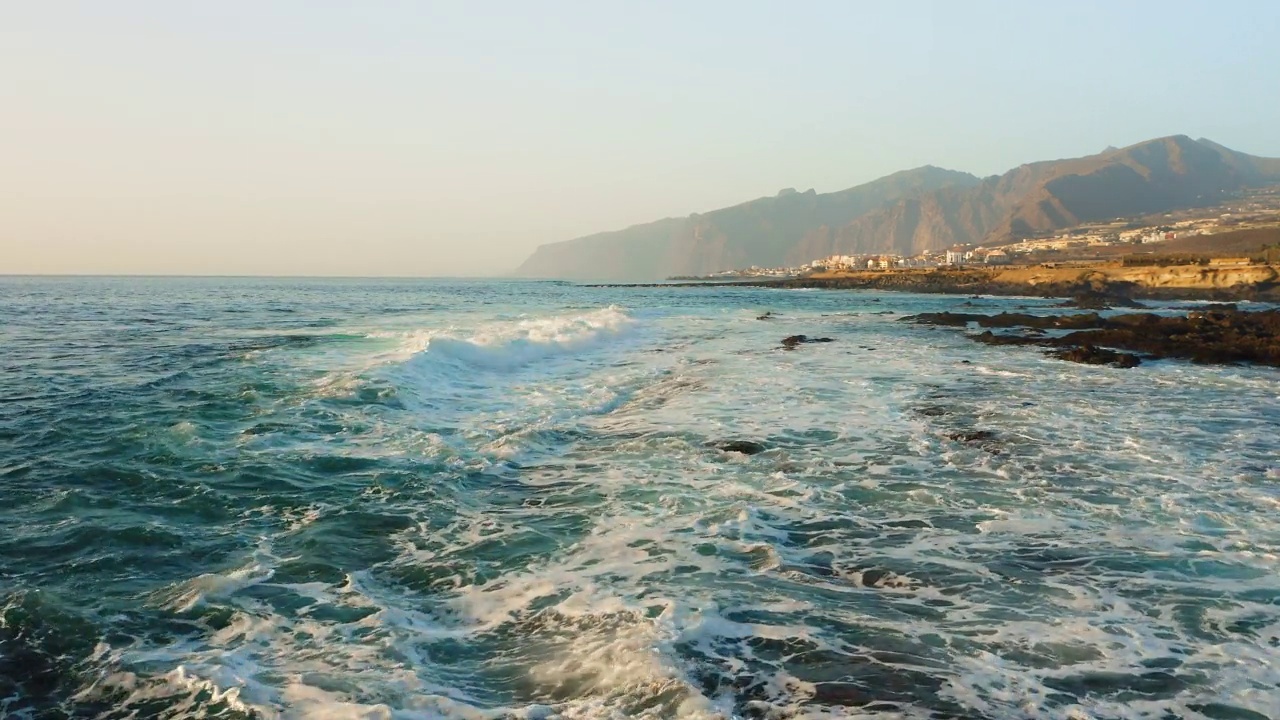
(1220, 334)
(1254, 283)
(981, 282)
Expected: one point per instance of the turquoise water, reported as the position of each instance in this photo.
(235, 498)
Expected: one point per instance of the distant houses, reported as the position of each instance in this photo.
(1078, 241)
(955, 256)
(851, 263)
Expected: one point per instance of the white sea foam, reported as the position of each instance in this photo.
(513, 345)
(583, 553)
(456, 351)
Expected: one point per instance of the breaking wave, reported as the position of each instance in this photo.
(514, 345)
(512, 501)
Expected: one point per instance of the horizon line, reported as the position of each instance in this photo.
(265, 276)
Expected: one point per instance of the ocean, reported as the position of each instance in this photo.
(342, 499)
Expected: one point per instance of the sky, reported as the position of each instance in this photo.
(416, 138)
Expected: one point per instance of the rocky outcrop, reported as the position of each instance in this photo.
(1009, 320)
(1090, 355)
(1214, 336)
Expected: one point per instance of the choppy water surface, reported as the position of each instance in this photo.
(404, 499)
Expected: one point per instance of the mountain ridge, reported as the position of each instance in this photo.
(911, 211)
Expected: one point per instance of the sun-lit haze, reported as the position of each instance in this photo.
(415, 138)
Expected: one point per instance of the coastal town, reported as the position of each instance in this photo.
(1251, 209)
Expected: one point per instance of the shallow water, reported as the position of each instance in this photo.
(417, 499)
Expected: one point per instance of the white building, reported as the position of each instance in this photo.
(839, 262)
(955, 256)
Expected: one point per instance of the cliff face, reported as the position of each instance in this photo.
(914, 211)
(639, 252)
(930, 222)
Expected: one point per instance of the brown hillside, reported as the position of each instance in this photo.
(1158, 175)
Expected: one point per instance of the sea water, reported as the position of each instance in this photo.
(257, 498)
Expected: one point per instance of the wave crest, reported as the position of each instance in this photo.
(525, 342)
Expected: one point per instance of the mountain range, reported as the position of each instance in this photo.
(913, 211)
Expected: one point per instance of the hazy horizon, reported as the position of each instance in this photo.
(400, 140)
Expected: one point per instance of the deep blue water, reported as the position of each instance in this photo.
(274, 498)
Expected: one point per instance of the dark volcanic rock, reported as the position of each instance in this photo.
(1217, 335)
(790, 343)
(1214, 337)
(1009, 320)
(1090, 355)
(944, 319)
(873, 577)
(746, 447)
(990, 338)
(1095, 300)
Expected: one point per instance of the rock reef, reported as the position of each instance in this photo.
(1217, 335)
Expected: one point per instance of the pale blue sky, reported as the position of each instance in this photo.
(418, 138)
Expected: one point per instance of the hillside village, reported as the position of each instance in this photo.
(1247, 209)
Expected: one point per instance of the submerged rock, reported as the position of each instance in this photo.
(1216, 307)
(984, 440)
(746, 447)
(971, 436)
(790, 343)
